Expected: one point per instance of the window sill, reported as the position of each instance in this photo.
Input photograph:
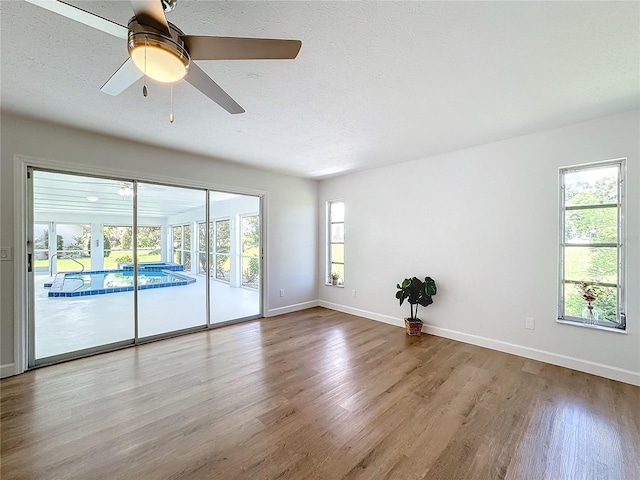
(332, 285)
(594, 327)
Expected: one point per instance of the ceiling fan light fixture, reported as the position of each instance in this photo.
(161, 57)
(161, 65)
(125, 191)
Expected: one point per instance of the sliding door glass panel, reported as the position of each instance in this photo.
(41, 253)
(250, 238)
(149, 243)
(202, 247)
(222, 249)
(235, 272)
(171, 286)
(78, 305)
(73, 247)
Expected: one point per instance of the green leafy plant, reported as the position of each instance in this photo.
(589, 291)
(126, 258)
(417, 293)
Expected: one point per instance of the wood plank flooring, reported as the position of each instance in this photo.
(316, 395)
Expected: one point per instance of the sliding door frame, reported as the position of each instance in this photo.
(24, 351)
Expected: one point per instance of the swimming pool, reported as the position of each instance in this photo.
(153, 266)
(100, 282)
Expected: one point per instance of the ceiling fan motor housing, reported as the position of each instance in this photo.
(144, 39)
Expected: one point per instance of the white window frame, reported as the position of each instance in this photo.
(329, 243)
(183, 249)
(620, 325)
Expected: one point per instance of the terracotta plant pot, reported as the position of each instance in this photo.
(414, 327)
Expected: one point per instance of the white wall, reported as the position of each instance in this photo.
(291, 204)
(483, 222)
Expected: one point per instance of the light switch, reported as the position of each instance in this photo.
(5, 254)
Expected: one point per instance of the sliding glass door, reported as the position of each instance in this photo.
(235, 276)
(116, 262)
(76, 307)
(172, 291)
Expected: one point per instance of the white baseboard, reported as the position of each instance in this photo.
(587, 366)
(291, 308)
(7, 370)
(398, 322)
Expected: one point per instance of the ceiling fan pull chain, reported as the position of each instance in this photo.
(144, 87)
(171, 104)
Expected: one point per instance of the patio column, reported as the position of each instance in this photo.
(97, 246)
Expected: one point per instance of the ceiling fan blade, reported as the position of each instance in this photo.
(203, 82)
(151, 13)
(125, 76)
(234, 48)
(82, 16)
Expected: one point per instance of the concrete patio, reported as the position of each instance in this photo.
(68, 324)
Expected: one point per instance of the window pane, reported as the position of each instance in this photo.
(591, 264)
(187, 238)
(337, 252)
(41, 246)
(593, 225)
(187, 260)
(41, 235)
(604, 307)
(202, 263)
(223, 237)
(339, 269)
(250, 272)
(337, 211)
(202, 237)
(212, 237)
(250, 235)
(117, 246)
(177, 256)
(337, 232)
(223, 267)
(148, 244)
(177, 237)
(591, 186)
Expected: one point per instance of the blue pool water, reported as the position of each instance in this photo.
(153, 266)
(113, 281)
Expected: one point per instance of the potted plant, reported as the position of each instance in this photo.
(590, 293)
(417, 293)
(335, 278)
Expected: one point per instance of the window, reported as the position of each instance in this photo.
(250, 251)
(591, 249)
(335, 242)
(202, 244)
(149, 244)
(222, 250)
(182, 245)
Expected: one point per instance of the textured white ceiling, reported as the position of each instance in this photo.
(374, 84)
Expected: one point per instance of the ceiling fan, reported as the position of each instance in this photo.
(162, 52)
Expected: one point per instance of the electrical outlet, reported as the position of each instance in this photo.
(5, 254)
(353, 292)
(282, 292)
(530, 323)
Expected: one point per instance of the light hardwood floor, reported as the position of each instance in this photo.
(316, 395)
